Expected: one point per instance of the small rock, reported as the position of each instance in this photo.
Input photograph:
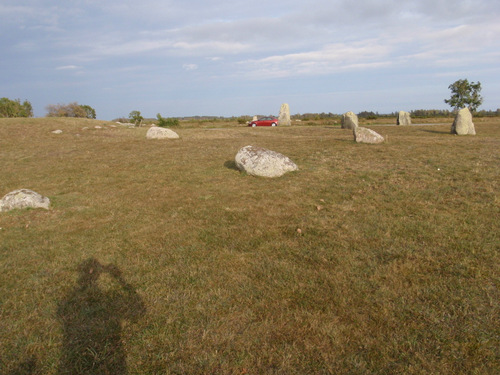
(58, 131)
(23, 198)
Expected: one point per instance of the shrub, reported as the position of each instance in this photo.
(166, 122)
(369, 115)
(89, 110)
(14, 108)
(123, 120)
(70, 110)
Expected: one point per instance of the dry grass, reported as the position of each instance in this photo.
(160, 258)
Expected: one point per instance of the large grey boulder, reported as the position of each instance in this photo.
(284, 116)
(404, 118)
(156, 132)
(257, 161)
(463, 124)
(23, 198)
(349, 120)
(365, 135)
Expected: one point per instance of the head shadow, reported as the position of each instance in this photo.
(91, 316)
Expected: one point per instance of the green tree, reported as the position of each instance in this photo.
(465, 94)
(89, 111)
(136, 118)
(27, 109)
(14, 108)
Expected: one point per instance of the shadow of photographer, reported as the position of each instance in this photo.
(92, 318)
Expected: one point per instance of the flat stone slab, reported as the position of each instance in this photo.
(23, 198)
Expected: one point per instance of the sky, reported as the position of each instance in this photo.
(232, 58)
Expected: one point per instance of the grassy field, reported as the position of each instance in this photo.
(159, 257)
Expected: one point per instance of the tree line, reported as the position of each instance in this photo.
(70, 110)
(14, 108)
(463, 94)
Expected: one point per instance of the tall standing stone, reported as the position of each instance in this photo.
(463, 124)
(349, 121)
(284, 116)
(404, 118)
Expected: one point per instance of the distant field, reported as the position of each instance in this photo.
(159, 257)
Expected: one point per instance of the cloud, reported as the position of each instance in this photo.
(189, 67)
(332, 58)
(68, 67)
(17, 10)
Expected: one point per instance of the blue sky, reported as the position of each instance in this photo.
(230, 58)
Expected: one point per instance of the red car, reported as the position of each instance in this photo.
(264, 121)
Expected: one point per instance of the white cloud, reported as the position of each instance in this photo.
(68, 67)
(332, 58)
(189, 67)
